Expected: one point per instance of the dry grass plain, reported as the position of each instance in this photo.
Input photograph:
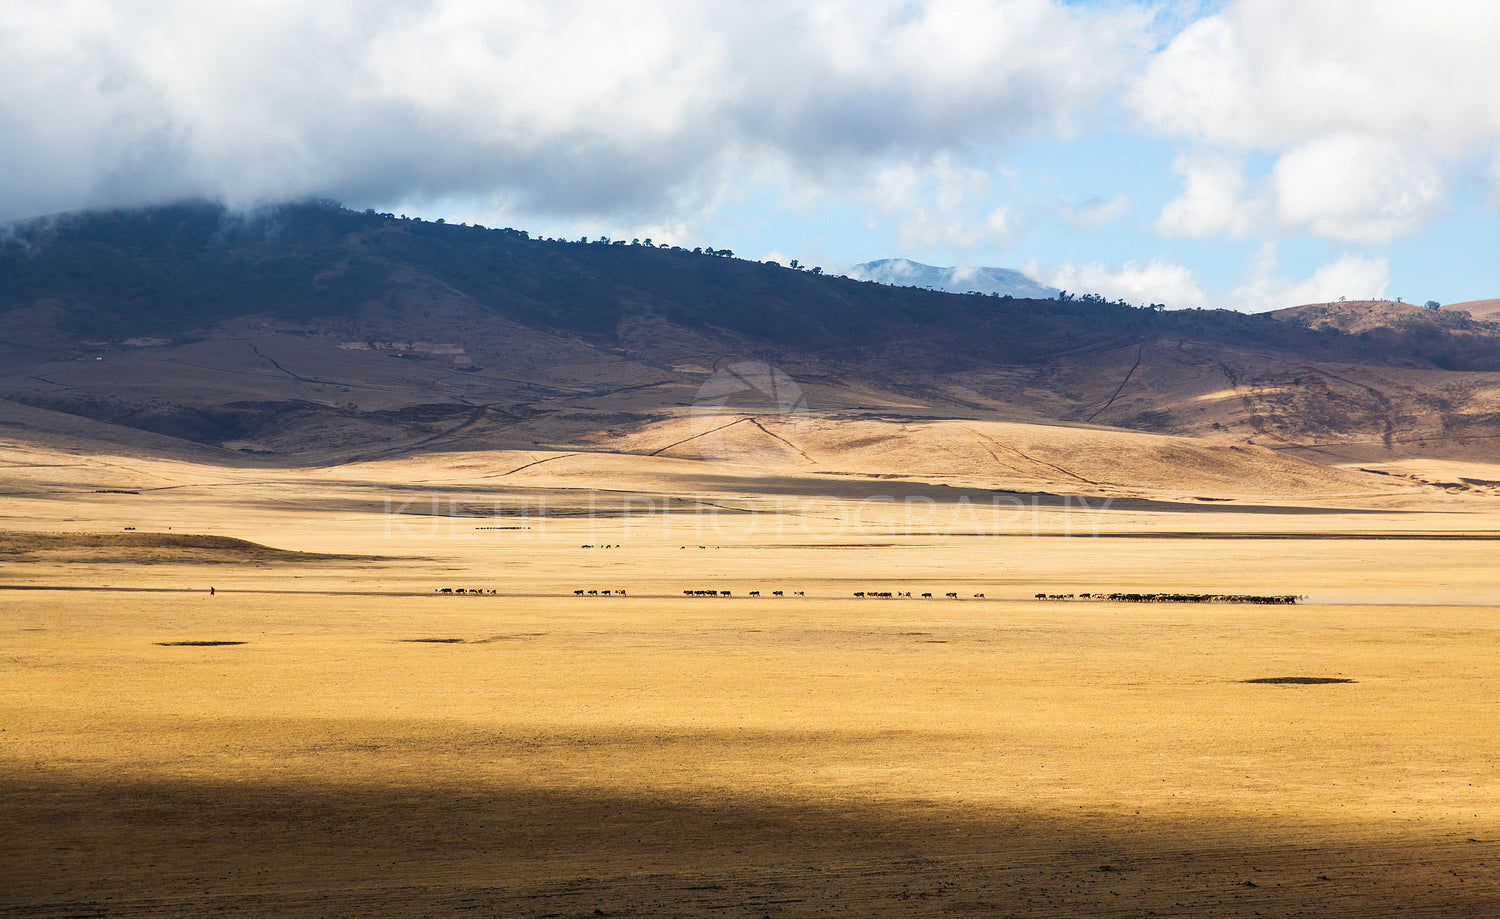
(371, 748)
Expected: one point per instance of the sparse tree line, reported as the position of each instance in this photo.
(1064, 296)
(160, 270)
(582, 240)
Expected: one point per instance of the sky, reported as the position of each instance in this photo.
(1239, 154)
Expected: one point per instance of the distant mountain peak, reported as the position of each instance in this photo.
(960, 279)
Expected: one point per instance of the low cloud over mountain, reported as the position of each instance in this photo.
(961, 279)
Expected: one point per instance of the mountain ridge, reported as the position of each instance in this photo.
(310, 331)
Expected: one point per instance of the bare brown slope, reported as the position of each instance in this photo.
(256, 395)
(360, 337)
(1353, 315)
(1487, 310)
(147, 548)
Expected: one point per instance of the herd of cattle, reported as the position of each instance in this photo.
(1275, 600)
(887, 595)
(727, 593)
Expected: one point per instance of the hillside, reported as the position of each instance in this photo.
(1487, 310)
(312, 334)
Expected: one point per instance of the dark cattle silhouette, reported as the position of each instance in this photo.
(1256, 598)
(1273, 599)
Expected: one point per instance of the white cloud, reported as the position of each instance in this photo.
(1494, 177)
(939, 203)
(1355, 188)
(1274, 73)
(1346, 187)
(1212, 201)
(634, 118)
(963, 274)
(1352, 276)
(1094, 211)
(909, 186)
(1004, 224)
(1157, 281)
(1263, 288)
(1365, 104)
(570, 107)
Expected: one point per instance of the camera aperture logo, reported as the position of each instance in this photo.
(751, 413)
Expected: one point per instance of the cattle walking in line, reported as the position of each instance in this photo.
(1273, 599)
(926, 596)
(951, 595)
(776, 593)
